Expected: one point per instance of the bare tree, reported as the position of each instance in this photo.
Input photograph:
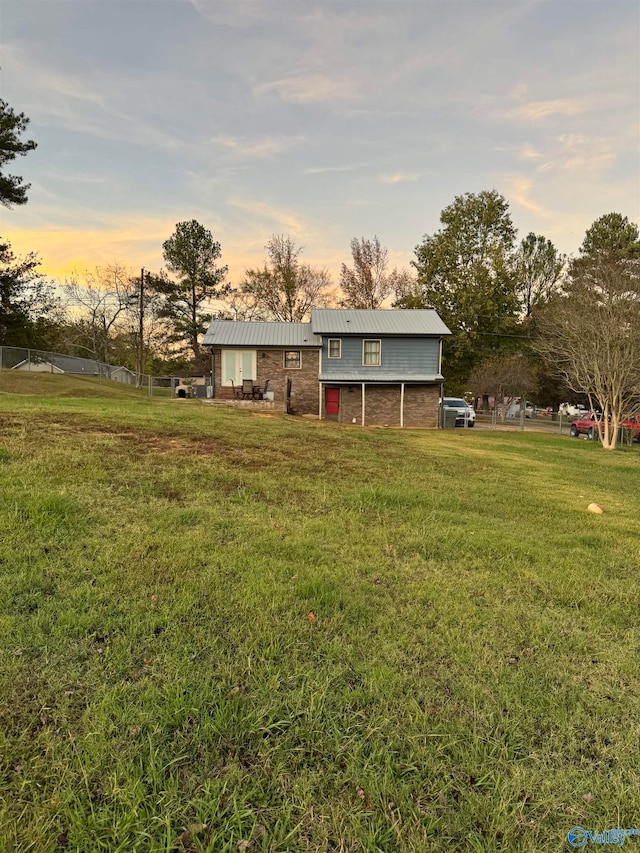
(284, 289)
(590, 334)
(368, 284)
(101, 297)
(505, 378)
(144, 328)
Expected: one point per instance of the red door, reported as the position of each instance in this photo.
(332, 402)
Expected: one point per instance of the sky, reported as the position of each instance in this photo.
(321, 120)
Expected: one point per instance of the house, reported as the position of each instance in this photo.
(37, 366)
(122, 374)
(365, 367)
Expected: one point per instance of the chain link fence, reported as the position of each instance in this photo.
(40, 361)
(55, 363)
(550, 422)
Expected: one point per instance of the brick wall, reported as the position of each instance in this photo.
(382, 405)
(421, 405)
(304, 381)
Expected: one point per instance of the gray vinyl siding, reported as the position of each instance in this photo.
(403, 356)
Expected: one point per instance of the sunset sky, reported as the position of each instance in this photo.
(321, 120)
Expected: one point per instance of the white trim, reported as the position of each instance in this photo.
(369, 341)
(320, 401)
(401, 405)
(362, 404)
(329, 340)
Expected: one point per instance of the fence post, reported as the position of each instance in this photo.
(151, 386)
(28, 361)
(0, 358)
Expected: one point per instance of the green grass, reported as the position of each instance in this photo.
(470, 684)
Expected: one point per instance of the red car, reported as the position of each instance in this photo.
(589, 426)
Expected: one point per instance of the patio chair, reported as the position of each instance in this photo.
(247, 389)
(237, 392)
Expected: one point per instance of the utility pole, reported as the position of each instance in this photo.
(141, 331)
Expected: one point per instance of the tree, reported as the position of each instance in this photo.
(590, 334)
(142, 333)
(465, 272)
(405, 288)
(102, 298)
(368, 284)
(611, 239)
(191, 254)
(29, 310)
(284, 289)
(12, 125)
(538, 266)
(504, 378)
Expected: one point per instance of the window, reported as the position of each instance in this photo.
(335, 348)
(293, 359)
(371, 352)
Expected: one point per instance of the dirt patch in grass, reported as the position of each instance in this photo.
(166, 444)
(140, 440)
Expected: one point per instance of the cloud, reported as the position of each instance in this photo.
(519, 193)
(320, 170)
(308, 88)
(136, 241)
(103, 105)
(265, 146)
(587, 155)
(535, 111)
(528, 152)
(241, 13)
(399, 177)
(262, 210)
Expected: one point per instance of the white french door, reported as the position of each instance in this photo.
(238, 364)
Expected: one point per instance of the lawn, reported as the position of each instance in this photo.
(224, 631)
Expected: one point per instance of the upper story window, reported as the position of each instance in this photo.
(335, 348)
(371, 352)
(293, 359)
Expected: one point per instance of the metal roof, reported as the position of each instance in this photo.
(340, 321)
(231, 333)
(371, 378)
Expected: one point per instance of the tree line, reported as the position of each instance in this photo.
(525, 319)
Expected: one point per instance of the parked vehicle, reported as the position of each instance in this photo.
(514, 410)
(590, 426)
(465, 414)
(584, 426)
(570, 410)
